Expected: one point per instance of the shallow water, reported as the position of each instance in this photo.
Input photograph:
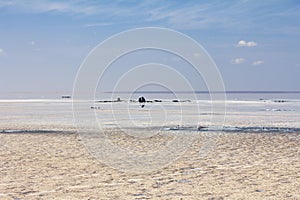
(241, 115)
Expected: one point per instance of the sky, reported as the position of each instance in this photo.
(255, 44)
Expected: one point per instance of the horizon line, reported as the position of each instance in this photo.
(207, 92)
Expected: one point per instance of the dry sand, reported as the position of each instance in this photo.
(241, 166)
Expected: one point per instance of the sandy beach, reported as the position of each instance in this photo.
(242, 166)
(42, 157)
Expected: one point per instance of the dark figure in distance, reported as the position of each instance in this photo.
(142, 101)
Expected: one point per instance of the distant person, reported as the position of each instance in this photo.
(142, 101)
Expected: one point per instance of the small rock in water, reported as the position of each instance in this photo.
(157, 100)
(66, 97)
(95, 107)
(279, 101)
(200, 128)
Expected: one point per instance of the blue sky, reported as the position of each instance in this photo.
(255, 44)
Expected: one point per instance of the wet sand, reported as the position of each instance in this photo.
(241, 166)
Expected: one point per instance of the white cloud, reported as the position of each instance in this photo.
(32, 43)
(1, 51)
(243, 43)
(238, 61)
(258, 62)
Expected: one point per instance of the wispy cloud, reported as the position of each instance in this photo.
(5, 3)
(184, 15)
(99, 24)
(258, 62)
(244, 16)
(243, 43)
(42, 6)
(1, 51)
(238, 61)
(191, 16)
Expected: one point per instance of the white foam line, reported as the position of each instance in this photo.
(135, 179)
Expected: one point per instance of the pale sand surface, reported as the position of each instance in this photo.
(241, 166)
(58, 166)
